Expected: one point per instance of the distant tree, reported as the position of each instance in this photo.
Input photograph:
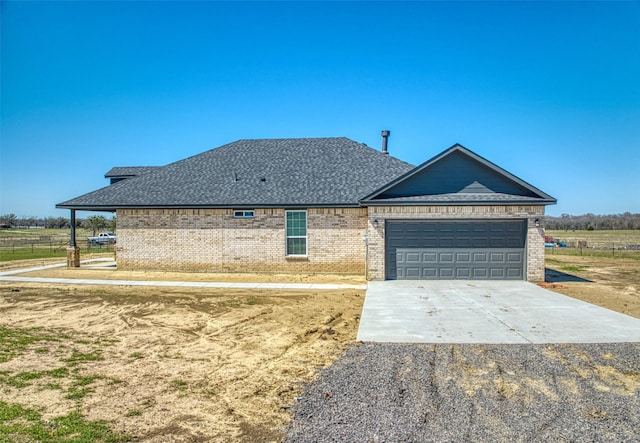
(593, 222)
(8, 220)
(95, 223)
(57, 223)
(111, 224)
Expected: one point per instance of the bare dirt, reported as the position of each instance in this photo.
(180, 364)
(613, 283)
(188, 365)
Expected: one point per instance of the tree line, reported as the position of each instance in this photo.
(593, 222)
(94, 223)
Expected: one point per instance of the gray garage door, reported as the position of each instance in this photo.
(447, 249)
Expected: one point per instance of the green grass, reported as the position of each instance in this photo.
(179, 384)
(22, 424)
(18, 423)
(14, 342)
(82, 357)
(27, 253)
(619, 236)
(592, 252)
(573, 268)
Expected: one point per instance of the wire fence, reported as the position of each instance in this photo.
(52, 244)
(595, 248)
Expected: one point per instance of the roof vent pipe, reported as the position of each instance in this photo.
(385, 137)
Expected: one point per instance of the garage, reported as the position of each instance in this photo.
(455, 249)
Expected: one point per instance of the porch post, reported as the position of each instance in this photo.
(73, 251)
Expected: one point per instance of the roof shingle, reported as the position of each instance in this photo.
(253, 173)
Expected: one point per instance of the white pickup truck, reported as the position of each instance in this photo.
(104, 238)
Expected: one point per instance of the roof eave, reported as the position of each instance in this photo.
(208, 206)
(540, 202)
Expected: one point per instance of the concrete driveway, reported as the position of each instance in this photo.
(462, 311)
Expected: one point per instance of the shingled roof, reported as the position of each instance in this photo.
(119, 173)
(302, 172)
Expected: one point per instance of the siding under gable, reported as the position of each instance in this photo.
(456, 173)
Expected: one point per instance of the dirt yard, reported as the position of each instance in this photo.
(613, 283)
(190, 365)
(172, 364)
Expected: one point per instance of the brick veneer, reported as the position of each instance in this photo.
(212, 240)
(535, 235)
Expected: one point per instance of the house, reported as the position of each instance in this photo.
(326, 205)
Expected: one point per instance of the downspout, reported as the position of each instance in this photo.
(72, 241)
(73, 251)
(366, 254)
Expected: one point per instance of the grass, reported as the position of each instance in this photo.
(599, 243)
(22, 244)
(573, 268)
(179, 384)
(15, 341)
(19, 423)
(23, 424)
(618, 236)
(82, 357)
(27, 253)
(30, 253)
(592, 252)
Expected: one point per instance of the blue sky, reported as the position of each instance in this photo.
(549, 91)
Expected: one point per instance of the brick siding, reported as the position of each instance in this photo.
(212, 240)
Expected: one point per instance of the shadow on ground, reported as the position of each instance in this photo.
(553, 276)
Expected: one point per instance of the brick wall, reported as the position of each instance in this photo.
(212, 240)
(535, 236)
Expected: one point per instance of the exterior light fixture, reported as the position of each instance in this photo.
(537, 222)
(375, 223)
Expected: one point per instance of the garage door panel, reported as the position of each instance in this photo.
(446, 273)
(480, 273)
(429, 257)
(446, 257)
(496, 257)
(480, 257)
(429, 272)
(515, 257)
(463, 257)
(513, 273)
(449, 249)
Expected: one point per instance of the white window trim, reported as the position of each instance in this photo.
(306, 229)
(248, 213)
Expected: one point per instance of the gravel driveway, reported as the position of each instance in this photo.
(463, 392)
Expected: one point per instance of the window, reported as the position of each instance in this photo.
(244, 214)
(296, 232)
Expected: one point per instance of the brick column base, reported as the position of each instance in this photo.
(73, 257)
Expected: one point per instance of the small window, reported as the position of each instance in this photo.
(296, 232)
(244, 214)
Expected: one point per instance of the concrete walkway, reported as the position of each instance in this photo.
(485, 312)
(13, 276)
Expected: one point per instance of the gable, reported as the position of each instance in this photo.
(458, 176)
